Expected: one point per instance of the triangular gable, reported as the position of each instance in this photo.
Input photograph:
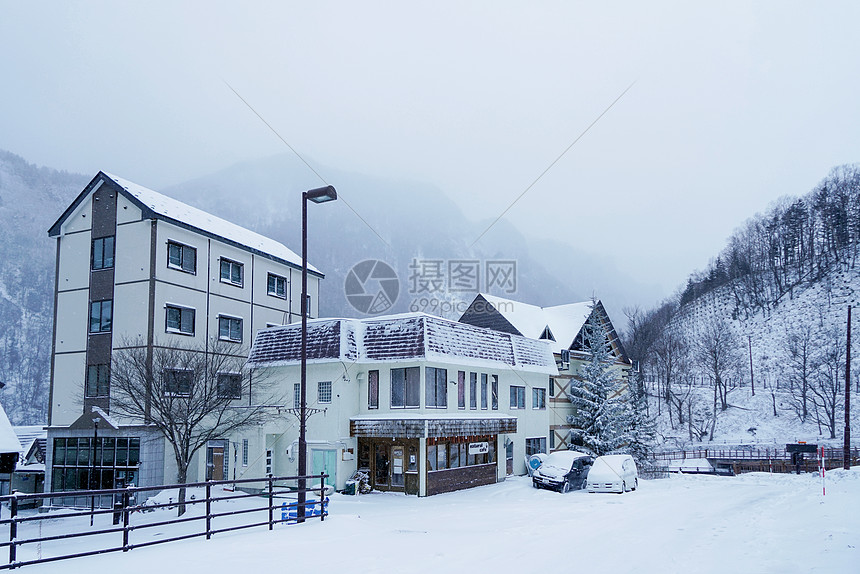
(547, 334)
(482, 313)
(87, 421)
(615, 345)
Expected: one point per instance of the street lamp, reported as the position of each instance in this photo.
(318, 195)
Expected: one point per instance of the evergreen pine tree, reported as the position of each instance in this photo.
(641, 427)
(601, 418)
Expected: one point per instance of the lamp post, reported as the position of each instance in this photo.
(318, 195)
(94, 484)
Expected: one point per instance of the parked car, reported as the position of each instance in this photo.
(563, 471)
(613, 473)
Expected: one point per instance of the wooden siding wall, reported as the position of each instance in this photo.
(439, 481)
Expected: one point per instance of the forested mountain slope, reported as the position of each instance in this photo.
(770, 311)
(31, 199)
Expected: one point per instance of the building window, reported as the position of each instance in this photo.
(101, 316)
(80, 464)
(179, 320)
(229, 386)
(245, 452)
(297, 395)
(405, 387)
(231, 272)
(277, 286)
(373, 389)
(443, 455)
(103, 252)
(436, 388)
(98, 381)
(177, 382)
(461, 389)
(483, 391)
(181, 257)
(494, 392)
(551, 440)
(324, 392)
(538, 398)
(551, 387)
(230, 329)
(518, 397)
(535, 445)
(473, 391)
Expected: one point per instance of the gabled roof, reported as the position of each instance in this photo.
(563, 322)
(157, 206)
(397, 338)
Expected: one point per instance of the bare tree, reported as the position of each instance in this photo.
(191, 395)
(800, 364)
(827, 395)
(716, 350)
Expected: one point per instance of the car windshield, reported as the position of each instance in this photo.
(562, 459)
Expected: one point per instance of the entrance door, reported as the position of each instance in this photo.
(215, 463)
(325, 461)
(509, 458)
(380, 474)
(398, 459)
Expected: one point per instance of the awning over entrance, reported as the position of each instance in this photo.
(430, 426)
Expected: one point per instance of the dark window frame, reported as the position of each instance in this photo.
(321, 392)
(494, 392)
(231, 265)
(538, 398)
(473, 391)
(98, 258)
(101, 321)
(373, 389)
(272, 281)
(535, 445)
(518, 397)
(185, 320)
(187, 257)
(435, 393)
(484, 392)
(410, 393)
(101, 386)
(174, 386)
(234, 328)
(229, 386)
(461, 390)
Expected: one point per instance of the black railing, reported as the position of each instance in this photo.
(129, 520)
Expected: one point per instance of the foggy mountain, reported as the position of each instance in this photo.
(31, 199)
(399, 222)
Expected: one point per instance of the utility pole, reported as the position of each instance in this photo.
(752, 381)
(846, 444)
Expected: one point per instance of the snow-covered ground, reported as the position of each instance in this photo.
(755, 523)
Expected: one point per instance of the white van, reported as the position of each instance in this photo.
(613, 473)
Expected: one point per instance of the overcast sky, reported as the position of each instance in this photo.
(732, 105)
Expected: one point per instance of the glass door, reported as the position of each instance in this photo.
(398, 460)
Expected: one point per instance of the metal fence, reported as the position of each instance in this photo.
(752, 459)
(124, 526)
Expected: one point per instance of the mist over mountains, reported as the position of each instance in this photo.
(403, 223)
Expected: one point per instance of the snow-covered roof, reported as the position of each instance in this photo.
(400, 337)
(564, 321)
(157, 205)
(8, 439)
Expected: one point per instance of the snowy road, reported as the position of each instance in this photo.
(754, 523)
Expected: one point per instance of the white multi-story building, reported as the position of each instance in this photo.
(424, 405)
(136, 268)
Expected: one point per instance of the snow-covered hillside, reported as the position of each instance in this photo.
(815, 313)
